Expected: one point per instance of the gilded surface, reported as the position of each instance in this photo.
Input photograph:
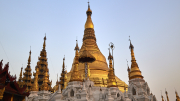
(27, 75)
(42, 64)
(20, 81)
(1, 93)
(35, 86)
(111, 76)
(167, 95)
(99, 68)
(177, 97)
(63, 78)
(89, 23)
(134, 71)
(45, 85)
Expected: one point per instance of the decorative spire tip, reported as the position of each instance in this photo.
(131, 46)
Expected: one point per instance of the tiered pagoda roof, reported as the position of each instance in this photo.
(27, 74)
(42, 64)
(63, 78)
(9, 87)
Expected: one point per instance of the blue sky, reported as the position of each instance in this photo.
(154, 27)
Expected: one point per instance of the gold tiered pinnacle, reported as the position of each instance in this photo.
(42, 64)
(20, 75)
(162, 98)
(75, 76)
(167, 95)
(20, 81)
(89, 23)
(134, 71)
(128, 69)
(35, 86)
(111, 76)
(45, 85)
(63, 79)
(27, 74)
(177, 96)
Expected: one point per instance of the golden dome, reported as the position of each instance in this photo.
(89, 23)
(99, 68)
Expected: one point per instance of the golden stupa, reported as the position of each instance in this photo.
(99, 68)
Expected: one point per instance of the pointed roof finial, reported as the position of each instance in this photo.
(44, 44)
(88, 4)
(45, 37)
(128, 69)
(76, 48)
(131, 46)
(89, 23)
(29, 59)
(30, 50)
(64, 58)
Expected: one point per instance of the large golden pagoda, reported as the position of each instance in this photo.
(99, 68)
(43, 67)
(27, 75)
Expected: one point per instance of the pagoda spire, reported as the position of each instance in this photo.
(44, 44)
(27, 75)
(35, 86)
(45, 85)
(63, 80)
(42, 64)
(128, 69)
(111, 75)
(75, 76)
(167, 95)
(177, 96)
(89, 23)
(134, 71)
(20, 75)
(20, 81)
(162, 98)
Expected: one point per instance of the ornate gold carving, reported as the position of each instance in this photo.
(45, 85)
(42, 64)
(20, 81)
(27, 75)
(99, 68)
(111, 76)
(162, 98)
(35, 86)
(75, 76)
(177, 97)
(63, 78)
(89, 23)
(167, 95)
(134, 71)
(1, 93)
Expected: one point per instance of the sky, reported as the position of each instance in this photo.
(153, 26)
